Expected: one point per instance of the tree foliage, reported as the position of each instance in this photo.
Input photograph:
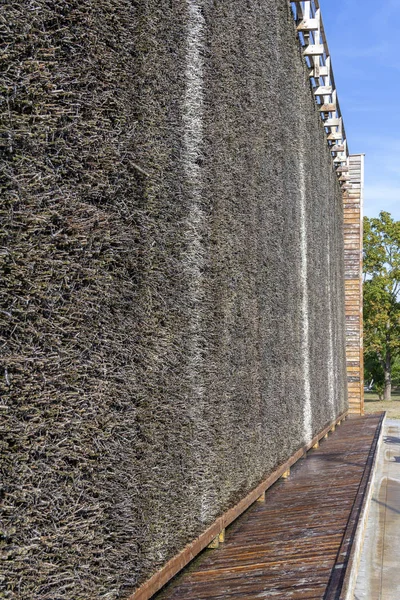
(381, 293)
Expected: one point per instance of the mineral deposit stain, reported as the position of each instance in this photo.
(305, 341)
(331, 341)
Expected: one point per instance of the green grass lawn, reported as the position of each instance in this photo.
(373, 404)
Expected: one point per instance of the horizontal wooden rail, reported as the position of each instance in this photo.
(178, 562)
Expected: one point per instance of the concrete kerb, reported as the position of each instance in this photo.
(350, 580)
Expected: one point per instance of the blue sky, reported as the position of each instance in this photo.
(364, 42)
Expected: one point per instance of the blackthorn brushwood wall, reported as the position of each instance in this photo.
(173, 303)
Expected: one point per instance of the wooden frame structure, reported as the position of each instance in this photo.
(350, 172)
(311, 33)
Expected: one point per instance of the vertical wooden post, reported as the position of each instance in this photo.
(353, 244)
(219, 539)
(214, 544)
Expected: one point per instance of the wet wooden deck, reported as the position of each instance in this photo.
(296, 544)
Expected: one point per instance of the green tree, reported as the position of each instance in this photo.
(381, 293)
(374, 373)
(396, 372)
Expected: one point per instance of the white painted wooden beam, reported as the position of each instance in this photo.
(337, 148)
(314, 50)
(323, 90)
(333, 122)
(323, 71)
(328, 65)
(335, 135)
(316, 60)
(310, 25)
(328, 108)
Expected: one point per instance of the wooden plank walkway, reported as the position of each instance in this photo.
(295, 545)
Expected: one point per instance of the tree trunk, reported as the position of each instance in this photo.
(388, 377)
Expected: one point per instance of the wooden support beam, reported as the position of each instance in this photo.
(316, 61)
(214, 544)
(329, 107)
(323, 90)
(323, 71)
(335, 135)
(333, 122)
(314, 50)
(303, 9)
(219, 539)
(308, 25)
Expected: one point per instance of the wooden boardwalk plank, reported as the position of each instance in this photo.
(295, 544)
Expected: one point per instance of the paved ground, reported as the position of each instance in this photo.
(379, 574)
